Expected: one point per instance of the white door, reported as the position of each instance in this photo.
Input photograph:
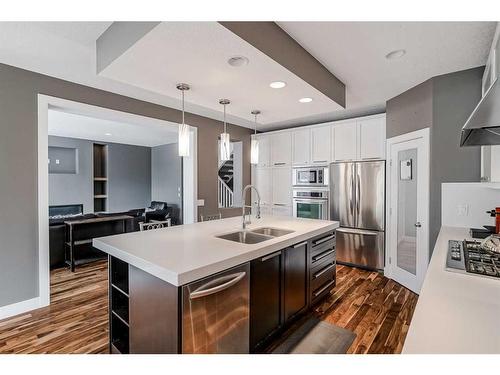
(301, 147)
(263, 184)
(321, 146)
(408, 204)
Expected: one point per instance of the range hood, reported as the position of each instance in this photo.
(483, 125)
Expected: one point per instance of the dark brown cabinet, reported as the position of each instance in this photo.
(265, 297)
(295, 280)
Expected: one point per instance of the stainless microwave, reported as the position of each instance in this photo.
(310, 176)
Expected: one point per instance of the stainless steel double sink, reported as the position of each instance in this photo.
(255, 235)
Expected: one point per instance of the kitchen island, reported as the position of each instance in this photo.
(184, 289)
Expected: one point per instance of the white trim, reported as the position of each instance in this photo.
(44, 103)
(190, 180)
(20, 307)
(423, 208)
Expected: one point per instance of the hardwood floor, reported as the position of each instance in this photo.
(377, 309)
(75, 322)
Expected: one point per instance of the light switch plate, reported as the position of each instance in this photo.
(463, 210)
(200, 202)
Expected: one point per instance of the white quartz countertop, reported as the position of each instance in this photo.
(184, 253)
(455, 313)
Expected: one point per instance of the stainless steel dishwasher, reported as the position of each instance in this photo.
(215, 313)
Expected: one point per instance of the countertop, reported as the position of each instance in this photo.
(184, 253)
(455, 313)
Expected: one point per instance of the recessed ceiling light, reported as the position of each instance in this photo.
(305, 100)
(277, 84)
(238, 61)
(108, 134)
(396, 54)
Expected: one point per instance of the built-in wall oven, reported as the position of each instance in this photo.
(310, 176)
(311, 203)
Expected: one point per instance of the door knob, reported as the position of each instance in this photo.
(417, 224)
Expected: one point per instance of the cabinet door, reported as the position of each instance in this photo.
(321, 145)
(346, 145)
(281, 211)
(301, 147)
(263, 185)
(295, 280)
(264, 151)
(372, 138)
(281, 148)
(282, 186)
(265, 297)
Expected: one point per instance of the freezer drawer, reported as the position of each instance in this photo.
(361, 248)
(215, 313)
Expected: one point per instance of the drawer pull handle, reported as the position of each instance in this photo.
(323, 255)
(279, 163)
(324, 270)
(300, 244)
(324, 288)
(270, 256)
(324, 239)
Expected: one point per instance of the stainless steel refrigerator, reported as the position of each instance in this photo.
(357, 201)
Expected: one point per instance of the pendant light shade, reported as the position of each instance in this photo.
(254, 146)
(225, 139)
(183, 141)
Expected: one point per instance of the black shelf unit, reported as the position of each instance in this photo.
(100, 177)
(119, 306)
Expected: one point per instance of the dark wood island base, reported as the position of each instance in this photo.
(146, 312)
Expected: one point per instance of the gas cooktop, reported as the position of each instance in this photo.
(468, 256)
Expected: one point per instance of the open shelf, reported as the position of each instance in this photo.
(119, 335)
(100, 177)
(119, 304)
(119, 275)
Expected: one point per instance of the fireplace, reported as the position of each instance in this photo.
(66, 210)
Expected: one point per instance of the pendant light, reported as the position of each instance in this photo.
(183, 142)
(254, 146)
(225, 139)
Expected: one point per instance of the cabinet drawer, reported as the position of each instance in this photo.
(321, 291)
(322, 275)
(326, 257)
(322, 251)
(319, 243)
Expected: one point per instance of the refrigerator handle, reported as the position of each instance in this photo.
(358, 193)
(351, 193)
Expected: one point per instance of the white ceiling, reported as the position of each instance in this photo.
(353, 51)
(159, 61)
(148, 134)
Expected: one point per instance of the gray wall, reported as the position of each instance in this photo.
(443, 104)
(129, 176)
(410, 111)
(73, 188)
(166, 175)
(455, 97)
(18, 165)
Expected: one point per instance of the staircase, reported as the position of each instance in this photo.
(225, 181)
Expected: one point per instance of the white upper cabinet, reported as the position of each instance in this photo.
(371, 135)
(301, 140)
(282, 186)
(281, 149)
(321, 145)
(346, 141)
(264, 151)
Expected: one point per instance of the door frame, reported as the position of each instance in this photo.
(45, 102)
(424, 197)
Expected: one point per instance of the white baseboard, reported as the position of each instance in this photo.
(20, 307)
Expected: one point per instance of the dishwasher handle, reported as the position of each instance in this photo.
(205, 289)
